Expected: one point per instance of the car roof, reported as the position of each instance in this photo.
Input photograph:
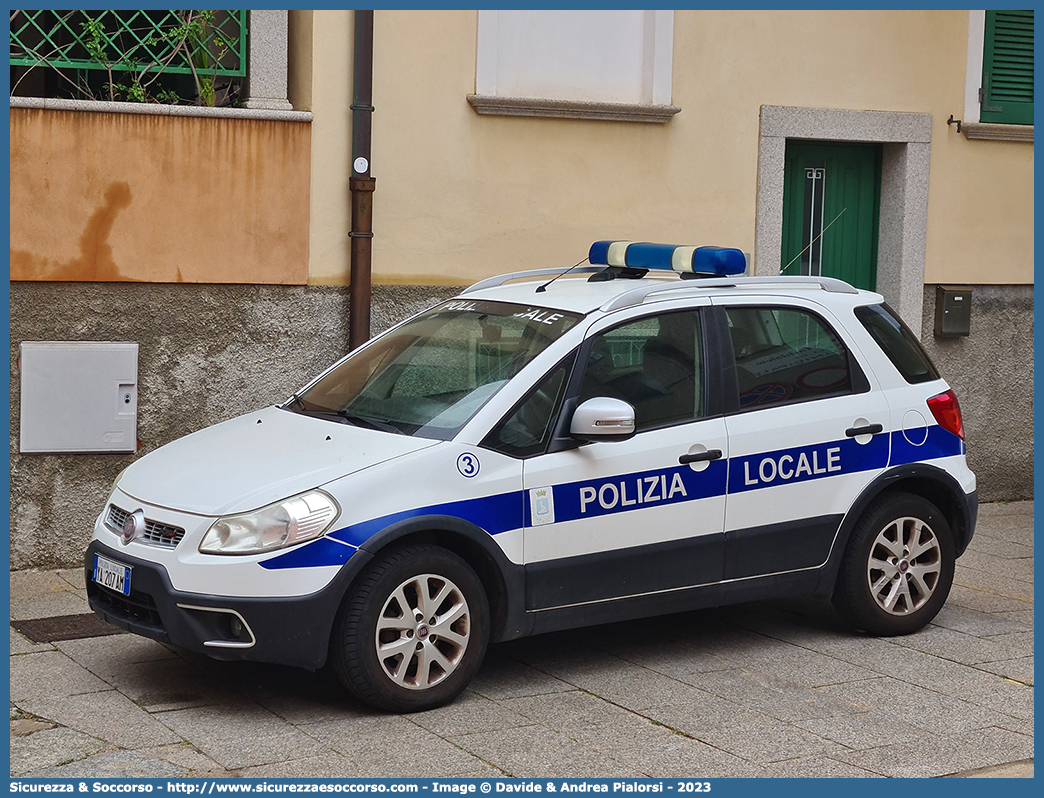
(576, 294)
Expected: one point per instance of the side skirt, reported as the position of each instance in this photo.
(796, 583)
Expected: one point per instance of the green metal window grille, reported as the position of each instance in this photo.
(1007, 68)
(135, 45)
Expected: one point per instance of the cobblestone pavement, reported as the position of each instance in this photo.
(775, 689)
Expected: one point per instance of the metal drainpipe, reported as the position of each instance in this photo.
(361, 184)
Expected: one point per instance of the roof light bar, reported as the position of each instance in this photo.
(712, 261)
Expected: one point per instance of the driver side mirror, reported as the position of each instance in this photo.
(602, 419)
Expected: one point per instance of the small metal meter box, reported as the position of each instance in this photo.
(952, 311)
(78, 396)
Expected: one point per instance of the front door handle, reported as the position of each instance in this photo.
(869, 429)
(700, 457)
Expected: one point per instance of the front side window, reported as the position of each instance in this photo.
(527, 429)
(431, 375)
(786, 355)
(653, 364)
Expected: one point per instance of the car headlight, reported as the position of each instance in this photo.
(285, 523)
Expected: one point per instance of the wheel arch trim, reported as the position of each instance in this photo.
(480, 550)
(961, 512)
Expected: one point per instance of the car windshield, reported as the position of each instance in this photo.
(431, 375)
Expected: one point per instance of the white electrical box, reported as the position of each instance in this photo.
(78, 396)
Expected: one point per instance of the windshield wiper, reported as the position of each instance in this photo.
(371, 423)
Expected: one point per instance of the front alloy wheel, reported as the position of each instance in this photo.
(898, 567)
(413, 632)
(423, 631)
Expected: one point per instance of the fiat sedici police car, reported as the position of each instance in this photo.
(551, 450)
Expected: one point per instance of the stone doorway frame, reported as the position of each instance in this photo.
(906, 155)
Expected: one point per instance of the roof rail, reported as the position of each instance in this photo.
(500, 279)
(639, 294)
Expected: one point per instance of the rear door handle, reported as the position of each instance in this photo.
(700, 457)
(869, 429)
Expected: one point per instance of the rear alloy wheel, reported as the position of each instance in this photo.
(414, 632)
(898, 568)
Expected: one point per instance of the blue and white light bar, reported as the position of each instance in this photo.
(711, 261)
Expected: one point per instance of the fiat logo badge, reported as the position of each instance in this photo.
(133, 526)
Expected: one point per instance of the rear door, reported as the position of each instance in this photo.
(809, 434)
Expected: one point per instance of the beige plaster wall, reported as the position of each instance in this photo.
(461, 196)
(980, 211)
(331, 34)
(131, 197)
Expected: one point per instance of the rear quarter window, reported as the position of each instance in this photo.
(898, 343)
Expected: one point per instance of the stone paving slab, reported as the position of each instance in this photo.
(108, 715)
(538, 752)
(184, 755)
(1019, 669)
(23, 645)
(927, 709)
(49, 748)
(780, 689)
(241, 734)
(949, 755)
(327, 766)
(163, 685)
(112, 765)
(816, 767)
(107, 656)
(394, 747)
(50, 674)
(473, 713)
(48, 606)
(655, 750)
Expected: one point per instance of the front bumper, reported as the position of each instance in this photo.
(286, 630)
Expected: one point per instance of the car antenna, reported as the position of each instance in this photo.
(542, 288)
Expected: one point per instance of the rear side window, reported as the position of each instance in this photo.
(786, 355)
(898, 342)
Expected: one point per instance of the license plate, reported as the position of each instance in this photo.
(112, 575)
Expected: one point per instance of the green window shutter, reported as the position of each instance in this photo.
(1007, 68)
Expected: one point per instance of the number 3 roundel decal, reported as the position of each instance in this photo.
(468, 465)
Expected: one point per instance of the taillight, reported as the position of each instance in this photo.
(947, 412)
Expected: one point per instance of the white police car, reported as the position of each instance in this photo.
(533, 456)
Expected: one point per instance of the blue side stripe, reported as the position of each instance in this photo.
(626, 492)
(494, 514)
(940, 443)
(323, 551)
(592, 498)
(802, 463)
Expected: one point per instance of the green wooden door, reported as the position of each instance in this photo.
(831, 201)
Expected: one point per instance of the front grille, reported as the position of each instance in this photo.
(138, 606)
(156, 534)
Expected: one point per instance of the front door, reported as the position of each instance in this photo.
(627, 518)
(831, 199)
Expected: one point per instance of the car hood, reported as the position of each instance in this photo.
(256, 459)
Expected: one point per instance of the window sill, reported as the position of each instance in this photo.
(983, 131)
(571, 109)
(155, 109)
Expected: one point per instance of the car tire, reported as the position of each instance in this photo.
(413, 632)
(898, 567)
